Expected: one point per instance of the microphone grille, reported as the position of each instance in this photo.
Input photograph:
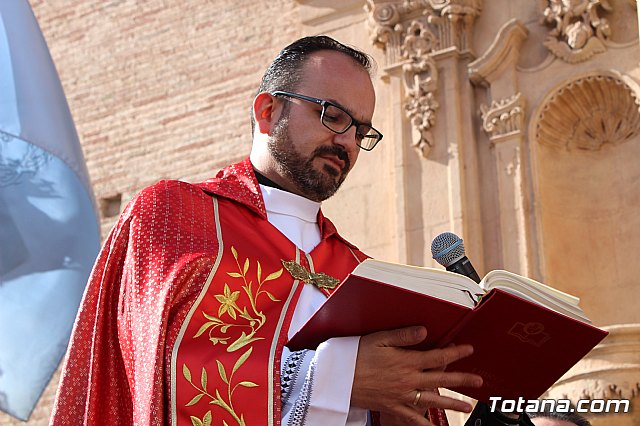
(447, 248)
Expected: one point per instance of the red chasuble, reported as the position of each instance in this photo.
(187, 309)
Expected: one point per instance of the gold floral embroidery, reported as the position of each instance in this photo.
(217, 399)
(251, 319)
(231, 315)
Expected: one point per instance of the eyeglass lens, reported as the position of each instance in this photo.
(339, 121)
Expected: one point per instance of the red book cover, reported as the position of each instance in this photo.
(520, 348)
(362, 306)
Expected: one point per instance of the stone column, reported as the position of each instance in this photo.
(427, 49)
(503, 122)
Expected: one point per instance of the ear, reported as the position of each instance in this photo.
(266, 112)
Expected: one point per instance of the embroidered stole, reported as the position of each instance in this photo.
(225, 364)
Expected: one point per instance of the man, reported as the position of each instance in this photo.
(198, 287)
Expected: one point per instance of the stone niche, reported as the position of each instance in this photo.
(585, 136)
(586, 166)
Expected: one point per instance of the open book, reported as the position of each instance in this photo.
(525, 334)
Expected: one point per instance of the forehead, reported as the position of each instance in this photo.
(337, 77)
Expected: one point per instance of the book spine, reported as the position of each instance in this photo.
(448, 337)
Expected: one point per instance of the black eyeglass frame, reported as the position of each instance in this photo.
(324, 104)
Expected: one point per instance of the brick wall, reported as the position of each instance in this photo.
(159, 89)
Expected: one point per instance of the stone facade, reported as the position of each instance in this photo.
(513, 123)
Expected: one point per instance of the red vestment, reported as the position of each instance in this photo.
(187, 309)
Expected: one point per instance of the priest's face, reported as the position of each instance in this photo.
(313, 160)
(316, 182)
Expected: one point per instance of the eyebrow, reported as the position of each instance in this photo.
(351, 113)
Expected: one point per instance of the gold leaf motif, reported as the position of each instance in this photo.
(297, 271)
(271, 296)
(223, 374)
(241, 360)
(274, 275)
(319, 279)
(195, 400)
(203, 379)
(206, 420)
(186, 373)
(204, 328)
(322, 280)
(243, 341)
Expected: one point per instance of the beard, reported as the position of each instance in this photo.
(316, 185)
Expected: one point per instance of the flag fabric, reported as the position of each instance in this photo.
(49, 233)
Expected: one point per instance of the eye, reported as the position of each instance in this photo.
(333, 118)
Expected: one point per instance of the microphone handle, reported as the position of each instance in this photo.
(464, 267)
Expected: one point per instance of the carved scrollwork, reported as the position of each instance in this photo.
(421, 80)
(588, 113)
(420, 74)
(411, 32)
(579, 32)
(503, 118)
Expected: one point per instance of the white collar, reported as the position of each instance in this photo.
(287, 203)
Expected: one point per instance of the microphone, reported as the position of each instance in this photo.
(448, 250)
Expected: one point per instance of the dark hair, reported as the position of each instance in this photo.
(285, 72)
(573, 417)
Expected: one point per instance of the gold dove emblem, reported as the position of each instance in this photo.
(320, 279)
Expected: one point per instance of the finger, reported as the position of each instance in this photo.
(407, 336)
(440, 358)
(429, 399)
(449, 379)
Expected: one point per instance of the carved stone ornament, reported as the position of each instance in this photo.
(420, 75)
(421, 79)
(503, 118)
(411, 32)
(579, 32)
(588, 113)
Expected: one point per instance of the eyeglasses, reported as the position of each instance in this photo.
(339, 121)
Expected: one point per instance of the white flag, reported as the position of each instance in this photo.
(49, 234)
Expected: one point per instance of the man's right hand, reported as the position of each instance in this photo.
(388, 376)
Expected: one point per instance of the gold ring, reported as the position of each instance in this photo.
(417, 398)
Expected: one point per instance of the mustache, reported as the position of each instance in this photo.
(336, 150)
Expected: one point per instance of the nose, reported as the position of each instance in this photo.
(347, 140)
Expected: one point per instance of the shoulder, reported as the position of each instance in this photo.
(167, 191)
(167, 206)
(165, 196)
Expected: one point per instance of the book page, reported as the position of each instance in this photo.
(536, 292)
(444, 285)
